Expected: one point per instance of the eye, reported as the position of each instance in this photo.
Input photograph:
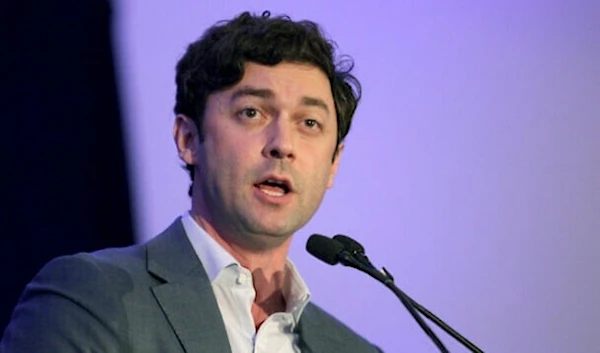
(250, 113)
(311, 124)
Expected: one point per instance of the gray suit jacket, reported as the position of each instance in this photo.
(145, 298)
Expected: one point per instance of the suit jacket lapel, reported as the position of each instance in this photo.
(318, 332)
(186, 296)
(314, 338)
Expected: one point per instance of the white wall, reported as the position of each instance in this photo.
(472, 171)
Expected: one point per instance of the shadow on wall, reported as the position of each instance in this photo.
(64, 176)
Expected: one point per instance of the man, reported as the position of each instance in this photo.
(261, 114)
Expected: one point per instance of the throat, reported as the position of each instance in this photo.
(270, 297)
(262, 309)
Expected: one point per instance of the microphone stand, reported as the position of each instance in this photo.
(348, 260)
(444, 326)
(360, 262)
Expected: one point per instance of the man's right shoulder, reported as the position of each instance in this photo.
(111, 263)
(77, 301)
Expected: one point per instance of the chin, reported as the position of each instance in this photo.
(275, 227)
(277, 232)
(266, 241)
(274, 231)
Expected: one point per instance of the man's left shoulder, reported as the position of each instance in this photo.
(324, 326)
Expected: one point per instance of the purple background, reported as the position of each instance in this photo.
(472, 171)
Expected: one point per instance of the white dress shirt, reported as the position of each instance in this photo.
(234, 290)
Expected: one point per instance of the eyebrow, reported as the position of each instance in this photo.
(315, 102)
(266, 93)
(251, 91)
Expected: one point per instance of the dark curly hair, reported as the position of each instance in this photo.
(216, 61)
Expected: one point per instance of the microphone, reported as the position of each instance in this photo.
(356, 248)
(324, 249)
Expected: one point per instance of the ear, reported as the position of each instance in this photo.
(187, 139)
(336, 164)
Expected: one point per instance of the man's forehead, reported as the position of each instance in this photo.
(284, 79)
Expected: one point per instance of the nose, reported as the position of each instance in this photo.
(280, 144)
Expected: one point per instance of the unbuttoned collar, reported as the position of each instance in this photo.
(215, 259)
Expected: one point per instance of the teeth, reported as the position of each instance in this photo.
(272, 192)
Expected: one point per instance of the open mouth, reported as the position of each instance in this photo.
(273, 187)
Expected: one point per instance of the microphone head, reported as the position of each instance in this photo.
(324, 248)
(350, 244)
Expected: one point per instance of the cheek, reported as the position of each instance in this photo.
(213, 159)
(227, 159)
(320, 172)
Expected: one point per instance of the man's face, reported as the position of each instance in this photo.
(266, 158)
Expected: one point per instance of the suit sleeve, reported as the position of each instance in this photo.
(72, 305)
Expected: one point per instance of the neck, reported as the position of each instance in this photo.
(268, 268)
(268, 261)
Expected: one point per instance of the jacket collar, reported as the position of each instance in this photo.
(185, 296)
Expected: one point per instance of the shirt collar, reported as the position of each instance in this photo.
(295, 291)
(215, 258)
(212, 255)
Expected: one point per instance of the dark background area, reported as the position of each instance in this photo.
(64, 181)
